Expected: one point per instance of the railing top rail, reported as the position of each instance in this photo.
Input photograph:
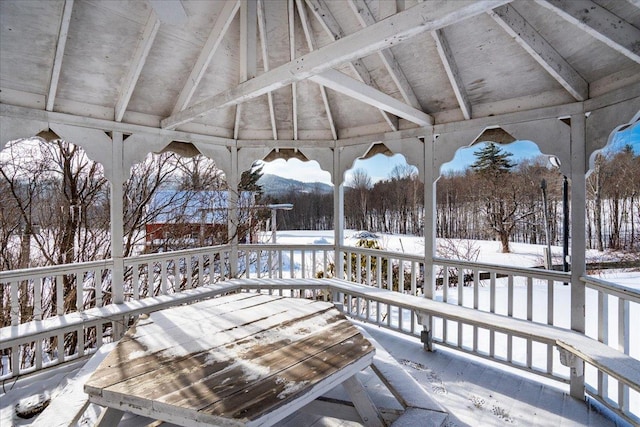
(10, 275)
(611, 288)
(559, 276)
(384, 253)
(174, 254)
(279, 247)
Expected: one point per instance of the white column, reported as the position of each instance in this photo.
(233, 179)
(338, 213)
(117, 219)
(578, 243)
(430, 176)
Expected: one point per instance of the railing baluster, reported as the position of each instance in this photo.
(414, 285)
(510, 296)
(476, 289)
(492, 291)
(445, 284)
(163, 277)
(303, 264)
(400, 276)
(135, 281)
(97, 284)
(529, 298)
(188, 260)
(368, 263)
(37, 298)
(460, 286)
(59, 295)
(550, 295)
(79, 291)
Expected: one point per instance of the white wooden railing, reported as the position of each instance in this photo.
(40, 328)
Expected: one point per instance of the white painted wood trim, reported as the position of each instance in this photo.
(362, 401)
(366, 18)
(262, 25)
(311, 43)
(59, 55)
(540, 50)
(331, 26)
(346, 85)
(136, 64)
(449, 63)
(393, 30)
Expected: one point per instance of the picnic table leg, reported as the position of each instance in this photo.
(109, 417)
(363, 403)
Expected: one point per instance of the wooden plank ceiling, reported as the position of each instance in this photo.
(311, 69)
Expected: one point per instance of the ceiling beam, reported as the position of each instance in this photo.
(292, 57)
(331, 26)
(449, 63)
(210, 47)
(424, 17)
(531, 41)
(610, 29)
(311, 43)
(57, 60)
(248, 50)
(351, 87)
(366, 18)
(262, 31)
(137, 62)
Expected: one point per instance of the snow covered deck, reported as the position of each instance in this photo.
(473, 391)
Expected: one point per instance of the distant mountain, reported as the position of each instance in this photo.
(274, 185)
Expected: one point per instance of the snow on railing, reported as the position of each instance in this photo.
(170, 272)
(613, 318)
(290, 261)
(38, 293)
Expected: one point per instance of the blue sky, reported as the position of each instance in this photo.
(379, 167)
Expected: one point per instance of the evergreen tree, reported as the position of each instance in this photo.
(492, 161)
(493, 167)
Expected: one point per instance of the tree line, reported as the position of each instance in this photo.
(493, 199)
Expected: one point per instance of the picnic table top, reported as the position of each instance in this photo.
(241, 359)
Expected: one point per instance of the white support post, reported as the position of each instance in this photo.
(430, 177)
(117, 218)
(233, 179)
(578, 243)
(338, 213)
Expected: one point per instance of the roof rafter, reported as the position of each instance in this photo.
(449, 63)
(311, 43)
(527, 37)
(418, 19)
(57, 61)
(248, 50)
(137, 62)
(262, 30)
(366, 18)
(610, 29)
(331, 26)
(351, 87)
(292, 57)
(206, 54)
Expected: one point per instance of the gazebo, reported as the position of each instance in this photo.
(330, 81)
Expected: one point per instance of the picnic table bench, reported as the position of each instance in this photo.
(241, 359)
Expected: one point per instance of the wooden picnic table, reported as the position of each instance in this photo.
(242, 359)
